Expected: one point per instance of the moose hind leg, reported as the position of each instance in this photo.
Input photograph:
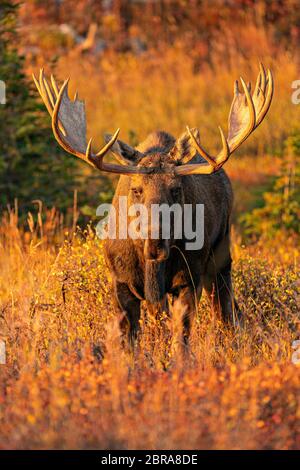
(219, 288)
(128, 307)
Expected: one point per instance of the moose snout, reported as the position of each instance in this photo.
(157, 250)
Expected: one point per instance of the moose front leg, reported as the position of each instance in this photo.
(128, 308)
(183, 307)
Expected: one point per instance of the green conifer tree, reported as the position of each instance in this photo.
(31, 164)
(281, 209)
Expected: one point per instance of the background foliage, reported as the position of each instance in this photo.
(31, 165)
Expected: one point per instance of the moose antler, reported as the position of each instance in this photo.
(246, 113)
(69, 126)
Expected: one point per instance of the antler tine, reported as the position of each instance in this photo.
(97, 159)
(54, 86)
(236, 90)
(44, 94)
(263, 77)
(37, 84)
(194, 169)
(257, 87)
(268, 98)
(213, 163)
(252, 116)
(221, 157)
(88, 153)
(225, 154)
(49, 93)
(109, 144)
(201, 151)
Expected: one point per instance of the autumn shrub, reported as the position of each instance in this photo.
(68, 383)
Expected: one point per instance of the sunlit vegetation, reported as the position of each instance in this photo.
(68, 382)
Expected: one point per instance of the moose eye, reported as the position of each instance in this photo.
(137, 192)
(176, 192)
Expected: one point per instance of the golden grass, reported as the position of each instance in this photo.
(69, 384)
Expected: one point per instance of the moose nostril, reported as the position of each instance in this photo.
(164, 248)
(156, 250)
(153, 250)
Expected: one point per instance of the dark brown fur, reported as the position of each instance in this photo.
(156, 270)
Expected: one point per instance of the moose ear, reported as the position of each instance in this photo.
(183, 150)
(125, 154)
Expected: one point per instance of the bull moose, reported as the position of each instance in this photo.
(163, 170)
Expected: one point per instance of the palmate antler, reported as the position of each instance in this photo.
(69, 127)
(246, 113)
